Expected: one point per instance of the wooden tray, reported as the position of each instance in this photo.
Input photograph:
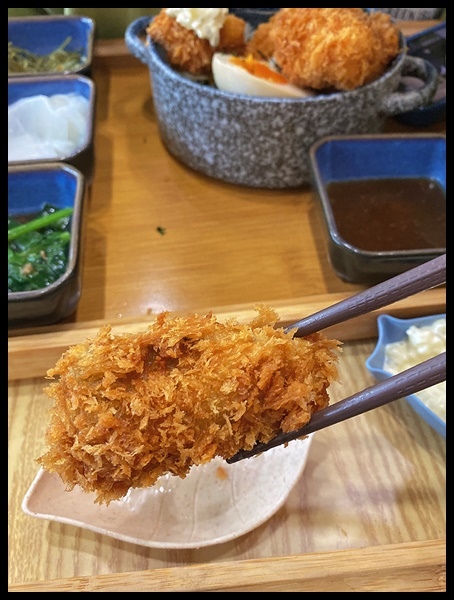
(368, 513)
(412, 567)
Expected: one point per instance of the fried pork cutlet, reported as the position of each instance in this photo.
(261, 44)
(328, 48)
(186, 51)
(129, 408)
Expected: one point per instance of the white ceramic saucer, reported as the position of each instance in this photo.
(215, 503)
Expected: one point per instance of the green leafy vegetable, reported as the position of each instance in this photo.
(38, 249)
(41, 222)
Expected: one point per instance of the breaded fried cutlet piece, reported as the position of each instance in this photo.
(329, 48)
(186, 51)
(129, 408)
(261, 44)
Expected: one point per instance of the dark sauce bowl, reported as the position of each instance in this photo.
(383, 201)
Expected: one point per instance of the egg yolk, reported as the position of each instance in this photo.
(258, 69)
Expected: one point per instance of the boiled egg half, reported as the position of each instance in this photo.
(247, 75)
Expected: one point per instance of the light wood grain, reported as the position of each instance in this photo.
(375, 480)
(412, 567)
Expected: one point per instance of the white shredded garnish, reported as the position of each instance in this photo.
(206, 23)
(421, 343)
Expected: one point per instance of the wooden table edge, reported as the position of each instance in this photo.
(410, 566)
(32, 352)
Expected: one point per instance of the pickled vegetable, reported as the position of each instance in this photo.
(61, 60)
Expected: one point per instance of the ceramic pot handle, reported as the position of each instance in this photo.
(134, 38)
(400, 102)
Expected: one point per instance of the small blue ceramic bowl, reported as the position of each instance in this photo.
(390, 330)
(25, 87)
(383, 201)
(30, 187)
(42, 35)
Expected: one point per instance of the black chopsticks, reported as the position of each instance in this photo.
(411, 381)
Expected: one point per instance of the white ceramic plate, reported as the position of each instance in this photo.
(215, 503)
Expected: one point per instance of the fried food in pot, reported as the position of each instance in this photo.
(261, 44)
(129, 408)
(328, 48)
(186, 51)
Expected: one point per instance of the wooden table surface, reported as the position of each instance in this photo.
(376, 481)
(221, 245)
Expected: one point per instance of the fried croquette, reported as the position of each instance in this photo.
(186, 51)
(261, 45)
(328, 48)
(129, 408)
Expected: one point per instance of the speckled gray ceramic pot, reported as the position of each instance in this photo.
(264, 142)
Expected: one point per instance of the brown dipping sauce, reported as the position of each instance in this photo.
(390, 214)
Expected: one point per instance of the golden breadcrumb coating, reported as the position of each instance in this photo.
(232, 37)
(129, 408)
(328, 48)
(186, 51)
(261, 43)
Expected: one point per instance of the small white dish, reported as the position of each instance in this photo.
(215, 503)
